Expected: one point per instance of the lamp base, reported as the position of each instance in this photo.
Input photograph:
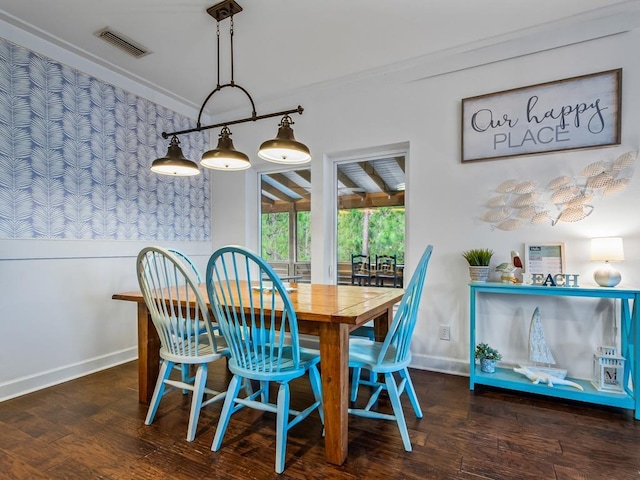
(607, 276)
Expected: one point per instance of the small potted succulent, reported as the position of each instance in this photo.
(488, 357)
(478, 259)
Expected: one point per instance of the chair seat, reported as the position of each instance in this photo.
(203, 354)
(287, 371)
(363, 353)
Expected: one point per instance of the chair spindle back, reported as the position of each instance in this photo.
(253, 310)
(404, 321)
(177, 308)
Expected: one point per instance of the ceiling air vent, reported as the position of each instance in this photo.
(122, 42)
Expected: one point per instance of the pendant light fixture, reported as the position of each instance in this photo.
(282, 149)
(174, 163)
(225, 156)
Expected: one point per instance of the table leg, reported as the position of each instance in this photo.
(148, 358)
(381, 325)
(334, 366)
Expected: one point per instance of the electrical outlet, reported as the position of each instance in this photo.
(445, 332)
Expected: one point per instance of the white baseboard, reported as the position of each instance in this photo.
(452, 366)
(32, 383)
(421, 362)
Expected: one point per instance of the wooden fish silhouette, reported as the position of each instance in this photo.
(559, 182)
(624, 161)
(499, 201)
(594, 169)
(580, 200)
(574, 214)
(540, 217)
(600, 181)
(507, 186)
(525, 187)
(496, 215)
(564, 194)
(525, 200)
(617, 186)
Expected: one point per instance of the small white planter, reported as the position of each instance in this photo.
(479, 274)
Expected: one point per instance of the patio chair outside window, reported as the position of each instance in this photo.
(387, 269)
(360, 270)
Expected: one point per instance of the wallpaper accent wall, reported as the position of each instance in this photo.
(75, 154)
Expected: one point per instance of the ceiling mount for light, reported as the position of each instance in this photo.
(282, 149)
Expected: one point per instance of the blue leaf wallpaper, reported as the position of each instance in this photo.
(75, 154)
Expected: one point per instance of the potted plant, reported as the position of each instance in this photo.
(478, 259)
(488, 357)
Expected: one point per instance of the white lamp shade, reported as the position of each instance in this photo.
(221, 162)
(607, 249)
(276, 152)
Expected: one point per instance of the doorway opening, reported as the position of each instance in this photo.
(370, 220)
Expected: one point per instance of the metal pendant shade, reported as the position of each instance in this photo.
(225, 156)
(175, 163)
(282, 149)
(285, 148)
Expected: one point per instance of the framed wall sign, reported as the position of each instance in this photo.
(544, 258)
(578, 112)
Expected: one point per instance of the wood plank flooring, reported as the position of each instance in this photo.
(93, 428)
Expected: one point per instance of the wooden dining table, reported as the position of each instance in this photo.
(328, 311)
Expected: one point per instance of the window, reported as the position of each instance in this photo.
(285, 222)
(303, 237)
(275, 237)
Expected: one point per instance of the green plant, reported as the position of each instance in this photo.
(483, 350)
(478, 257)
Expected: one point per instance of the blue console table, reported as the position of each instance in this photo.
(630, 341)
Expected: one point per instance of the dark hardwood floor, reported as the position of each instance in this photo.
(92, 428)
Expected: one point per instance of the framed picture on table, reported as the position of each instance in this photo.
(544, 258)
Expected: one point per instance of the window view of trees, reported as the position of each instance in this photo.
(304, 236)
(275, 236)
(372, 231)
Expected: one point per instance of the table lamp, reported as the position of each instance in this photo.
(607, 250)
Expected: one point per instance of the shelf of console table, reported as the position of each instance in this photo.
(629, 300)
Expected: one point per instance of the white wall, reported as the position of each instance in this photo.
(445, 198)
(58, 320)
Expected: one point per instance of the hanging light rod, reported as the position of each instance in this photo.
(252, 118)
(282, 149)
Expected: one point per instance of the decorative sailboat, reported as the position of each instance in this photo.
(539, 353)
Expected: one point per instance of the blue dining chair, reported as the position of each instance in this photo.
(186, 334)
(257, 320)
(391, 356)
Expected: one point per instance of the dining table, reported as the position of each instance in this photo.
(327, 311)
